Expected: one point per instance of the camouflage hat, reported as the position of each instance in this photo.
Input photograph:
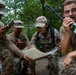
(41, 21)
(1, 24)
(18, 24)
(2, 7)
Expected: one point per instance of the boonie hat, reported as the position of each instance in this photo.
(18, 24)
(2, 7)
(41, 21)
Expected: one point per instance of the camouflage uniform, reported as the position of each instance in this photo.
(46, 46)
(7, 63)
(62, 68)
(6, 55)
(19, 65)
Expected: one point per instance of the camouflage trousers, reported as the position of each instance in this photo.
(7, 64)
(32, 67)
(63, 70)
(10, 65)
(20, 66)
(53, 62)
(17, 66)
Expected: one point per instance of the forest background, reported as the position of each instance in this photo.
(28, 10)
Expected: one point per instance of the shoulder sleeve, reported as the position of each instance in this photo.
(62, 31)
(8, 44)
(10, 36)
(34, 38)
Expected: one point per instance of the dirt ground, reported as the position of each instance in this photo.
(41, 67)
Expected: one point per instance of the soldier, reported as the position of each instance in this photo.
(21, 41)
(6, 43)
(49, 38)
(67, 64)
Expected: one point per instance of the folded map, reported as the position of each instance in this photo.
(35, 54)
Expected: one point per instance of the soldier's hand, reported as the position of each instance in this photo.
(30, 46)
(6, 28)
(3, 30)
(26, 58)
(19, 43)
(68, 61)
(67, 23)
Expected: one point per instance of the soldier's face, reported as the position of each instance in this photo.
(42, 30)
(17, 30)
(70, 11)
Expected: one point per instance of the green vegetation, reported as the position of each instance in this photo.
(29, 10)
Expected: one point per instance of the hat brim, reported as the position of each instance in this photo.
(18, 26)
(40, 24)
